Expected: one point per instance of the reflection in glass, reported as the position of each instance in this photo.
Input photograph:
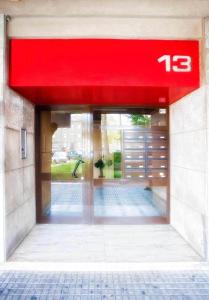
(133, 148)
(62, 164)
(124, 155)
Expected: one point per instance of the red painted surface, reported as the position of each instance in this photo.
(101, 71)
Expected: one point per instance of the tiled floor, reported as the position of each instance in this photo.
(124, 201)
(67, 199)
(109, 201)
(191, 285)
(104, 243)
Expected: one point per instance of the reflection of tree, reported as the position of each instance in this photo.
(106, 147)
(114, 139)
(138, 119)
(111, 138)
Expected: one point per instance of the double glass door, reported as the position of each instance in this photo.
(102, 165)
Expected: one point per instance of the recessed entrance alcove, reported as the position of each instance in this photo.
(102, 146)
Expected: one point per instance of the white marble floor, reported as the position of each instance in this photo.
(104, 243)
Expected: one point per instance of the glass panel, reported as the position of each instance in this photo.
(130, 164)
(63, 164)
(107, 147)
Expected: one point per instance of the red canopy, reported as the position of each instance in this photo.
(103, 71)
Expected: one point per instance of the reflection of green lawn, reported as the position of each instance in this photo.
(63, 171)
(117, 174)
(109, 173)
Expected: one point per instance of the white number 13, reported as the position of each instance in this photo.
(176, 63)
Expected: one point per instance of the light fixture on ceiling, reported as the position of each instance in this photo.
(162, 111)
(162, 100)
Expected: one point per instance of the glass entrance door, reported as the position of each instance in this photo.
(102, 166)
(64, 166)
(130, 166)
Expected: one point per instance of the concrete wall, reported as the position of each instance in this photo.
(105, 27)
(189, 157)
(206, 69)
(17, 176)
(19, 173)
(188, 167)
(106, 18)
(72, 8)
(2, 174)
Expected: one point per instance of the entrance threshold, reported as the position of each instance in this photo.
(103, 267)
(103, 247)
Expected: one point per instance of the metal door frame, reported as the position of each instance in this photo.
(88, 217)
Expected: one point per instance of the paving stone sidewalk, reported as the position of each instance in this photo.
(102, 286)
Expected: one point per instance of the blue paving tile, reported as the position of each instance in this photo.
(141, 285)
